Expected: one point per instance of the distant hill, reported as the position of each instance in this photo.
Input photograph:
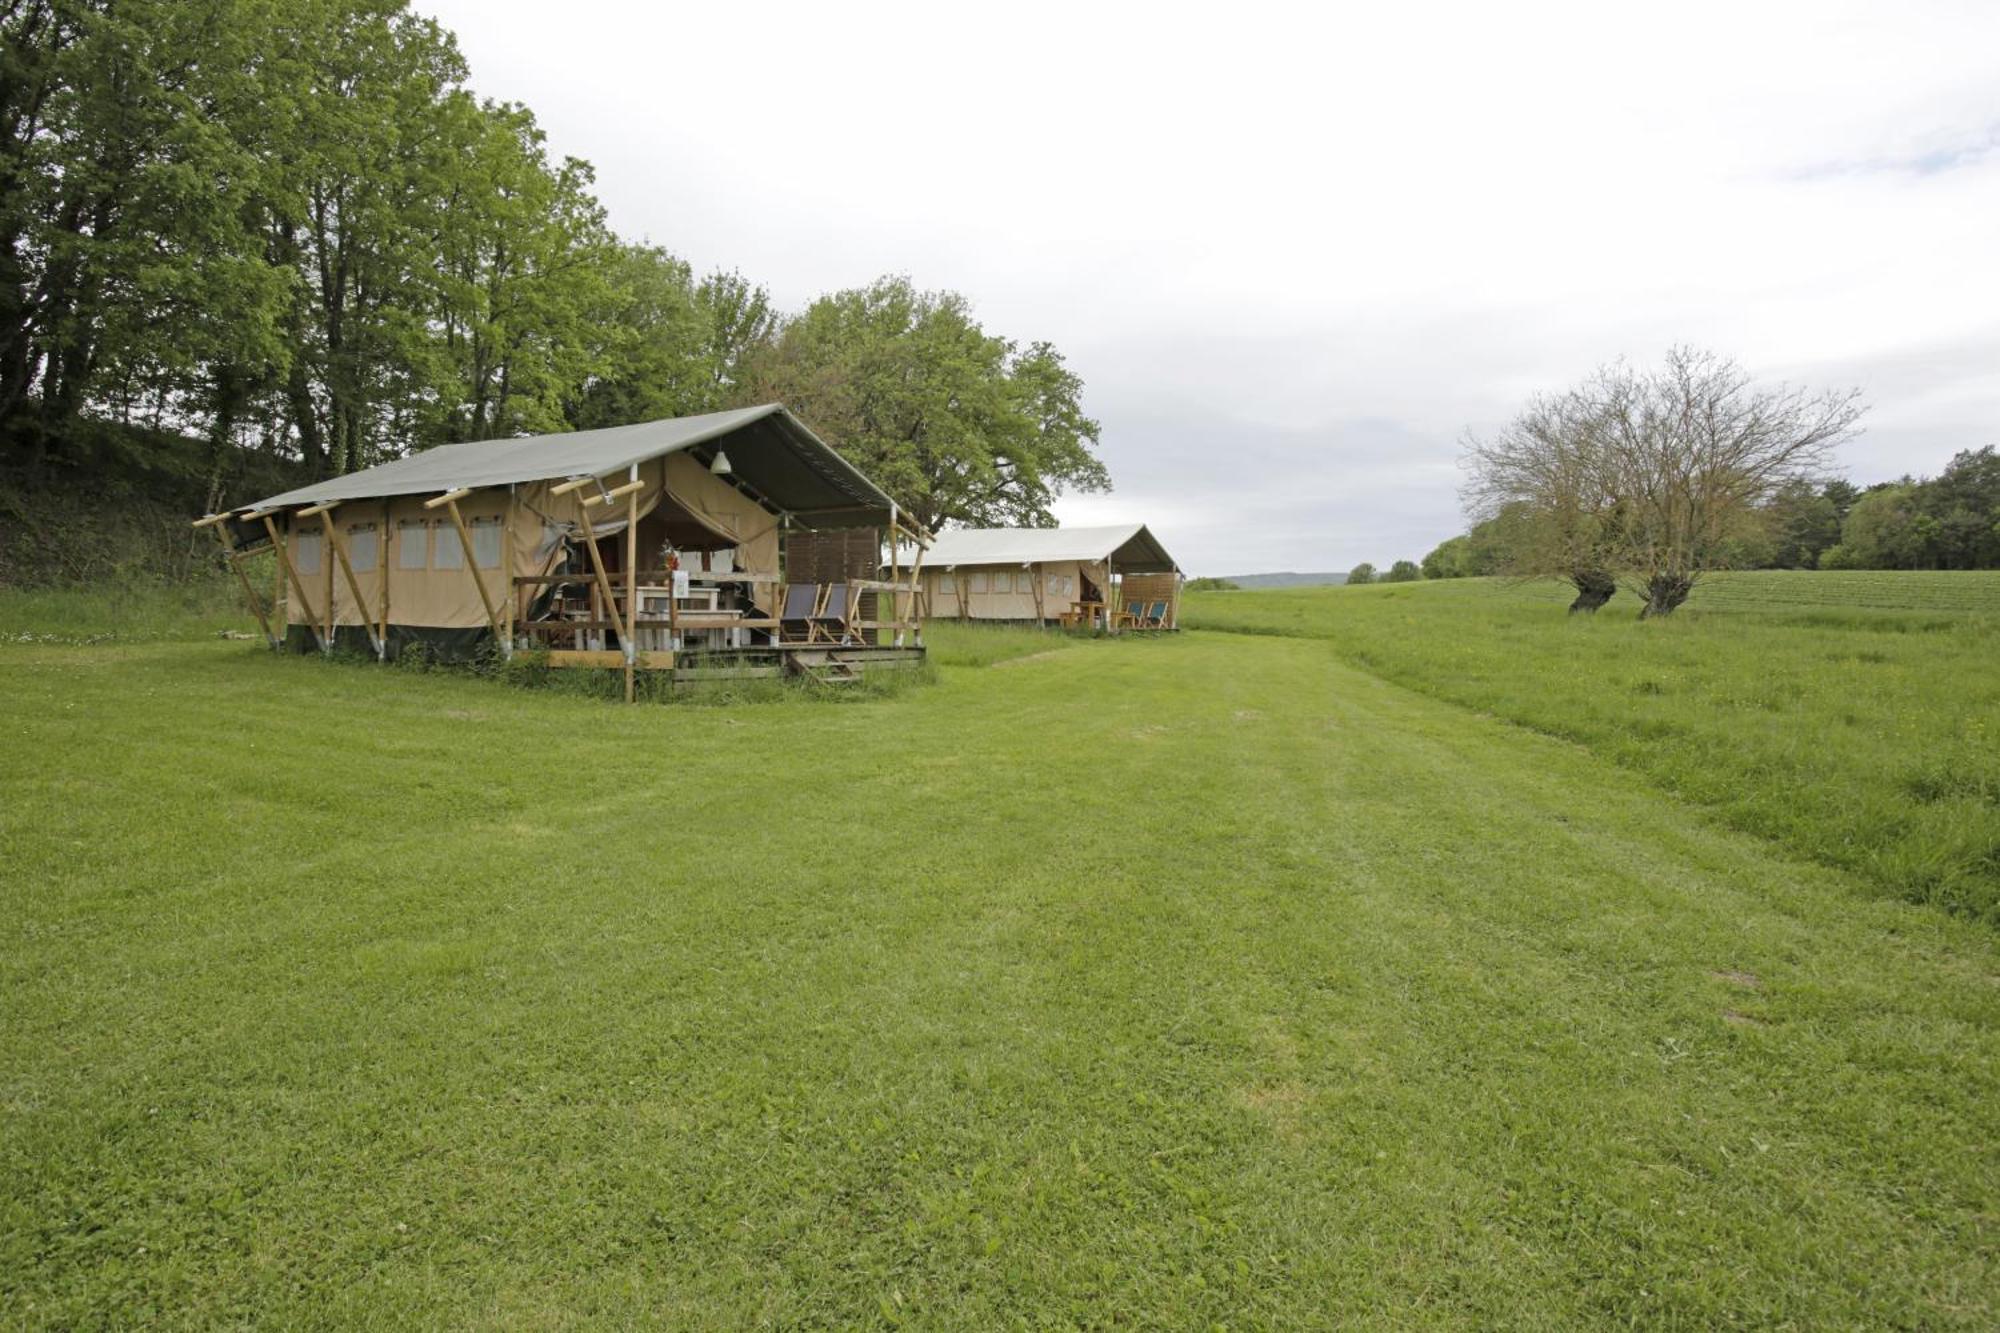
(1285, 580)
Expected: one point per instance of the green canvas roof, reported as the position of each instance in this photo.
(770, 451)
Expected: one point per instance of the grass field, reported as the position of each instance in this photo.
(1196, 981)
(1806, 708)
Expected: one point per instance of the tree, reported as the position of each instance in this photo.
(676, 347)
(1658, 476)
(956, 424)
(1361, 573)
(1403, 571)
(1211, 584)
(1543, 491)
(1964, 500)
(1449, 559)
(1804, 520)
(1887, 529)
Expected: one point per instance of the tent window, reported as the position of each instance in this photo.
(447, 551)
(1059, 584)
(305, 551)
(485, 542)
(361, 547)
(412, 544)
(979, 582)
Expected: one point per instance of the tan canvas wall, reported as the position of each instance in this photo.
(1003, 592)
(421, 561)
(727, 511)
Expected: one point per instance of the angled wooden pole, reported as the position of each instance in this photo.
(236, 567)
(339, 549)
(632, 582)
(298, 584)
(449, 500)
(388, 528)
(601, 581)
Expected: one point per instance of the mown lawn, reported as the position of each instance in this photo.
(1815, 709)
(1187, 981)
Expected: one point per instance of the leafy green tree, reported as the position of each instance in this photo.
(677, 346)
(1361, 573)
(1213, 585)
(527, 274)
(1403, 571)
(957, 424)
(127, 258)
(1964, 501)
(1803, 521)
(1887, 529)
(1449, 559)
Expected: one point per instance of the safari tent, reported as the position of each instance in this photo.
(671, 545)
(1109, 577)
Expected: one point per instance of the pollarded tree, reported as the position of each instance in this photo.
(1541, 492)
(1655, 476)
(1693, 450)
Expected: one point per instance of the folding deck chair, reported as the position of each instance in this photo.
(836, 609)
(801, 610)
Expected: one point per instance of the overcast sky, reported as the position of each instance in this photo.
(1296, 256)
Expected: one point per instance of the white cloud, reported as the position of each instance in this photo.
(1295, 255)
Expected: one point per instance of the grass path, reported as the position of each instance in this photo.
(1172, 982)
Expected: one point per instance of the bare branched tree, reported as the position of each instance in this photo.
(1544, 484)
(1649, 475)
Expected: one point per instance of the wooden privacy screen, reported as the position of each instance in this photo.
(1150, 588)
(839, 555)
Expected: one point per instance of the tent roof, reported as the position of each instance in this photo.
(1129, 546)
(770, 450)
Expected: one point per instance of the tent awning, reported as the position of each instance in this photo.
(770, 451)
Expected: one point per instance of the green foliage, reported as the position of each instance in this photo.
(1802, 521)
(289, 227)
(955, 423)
(1793, 703)
(1186, 983)
(1403, 571)
(1212, 584)
(1361, 574)
(1450, 559)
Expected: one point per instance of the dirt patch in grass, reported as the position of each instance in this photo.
(1742, 1020)
(1031, 657)
(1280, 1105)
(1748, 980)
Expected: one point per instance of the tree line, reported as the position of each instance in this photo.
(1651, 478)
(290, 230)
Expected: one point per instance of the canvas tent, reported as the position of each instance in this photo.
(1074, 576)
(610, 547)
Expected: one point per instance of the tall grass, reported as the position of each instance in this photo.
(1798, 706)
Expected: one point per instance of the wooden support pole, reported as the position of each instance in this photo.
(450, 502)
(339, 549)
(236, 568)
(602, 581)
(298, 584)
(507, 565)
(326, 565)
(383, 548)
(630, 490)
